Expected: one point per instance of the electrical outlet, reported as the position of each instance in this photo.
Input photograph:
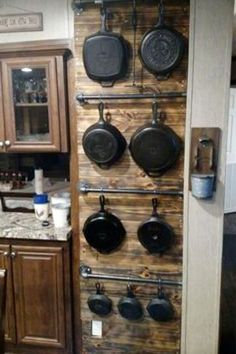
(97, 329)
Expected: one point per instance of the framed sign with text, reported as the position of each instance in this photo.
(21, 22)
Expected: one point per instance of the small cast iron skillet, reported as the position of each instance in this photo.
(154, 233)
(105, 55)
(102, 142)
(160, 307)
(103, 230)
(99, 303)
(155, 147)
(162, 47)
(130, 307)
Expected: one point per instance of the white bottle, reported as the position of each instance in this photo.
(38, 181)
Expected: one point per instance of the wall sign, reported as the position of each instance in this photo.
(21, 22)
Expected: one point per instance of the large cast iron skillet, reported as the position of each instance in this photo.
(105, 55)
(161, 48)
(155, 147)
(103, 230)
(103, 143)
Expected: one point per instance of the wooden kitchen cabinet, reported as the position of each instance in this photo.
(10, 325)
(33, 112)
(38, 316)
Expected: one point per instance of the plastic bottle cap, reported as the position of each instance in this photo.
(40, 199)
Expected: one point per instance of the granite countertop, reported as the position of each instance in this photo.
(26, 226)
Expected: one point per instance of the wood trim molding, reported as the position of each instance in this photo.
(211, 23)
(60, 46)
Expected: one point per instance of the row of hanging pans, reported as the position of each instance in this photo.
(105, 232)
(106, 54)
(159, 307)
(154, 147)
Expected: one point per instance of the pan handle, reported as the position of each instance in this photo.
(155, 118)
(103, 19)
(102, 201)
(160, 21)
(98, 288)
(101, 113)
(154, 206)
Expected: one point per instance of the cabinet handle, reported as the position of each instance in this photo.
(13, 254)
(7, 142)
(2, 144)
(6, 254)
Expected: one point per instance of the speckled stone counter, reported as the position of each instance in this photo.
(26, 226)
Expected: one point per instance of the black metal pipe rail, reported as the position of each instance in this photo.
(83, 98)
(79, 5)
(86, 273)
(85, 188)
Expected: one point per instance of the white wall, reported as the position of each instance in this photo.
(230, 187)
(57, 17)
(210, 49)
(234, 33)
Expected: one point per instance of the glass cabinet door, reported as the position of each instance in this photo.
(31, 104)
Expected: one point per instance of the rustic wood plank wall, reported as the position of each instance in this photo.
(119, 335)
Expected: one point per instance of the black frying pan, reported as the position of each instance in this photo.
(155, 147)
(102, 142)
(160, 307)
(99, 303)
(130, 307)
(161, 48)
(155, 234)
(105, 55)
(103, 230)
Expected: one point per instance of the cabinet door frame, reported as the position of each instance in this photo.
(49, 63)
(10, 325)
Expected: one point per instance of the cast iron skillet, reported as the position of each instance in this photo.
(105, 55)
(161, 48)
(103, 230)
(154, 233)
(99, 303)
(102, 142)
(155, 147)
(160, 307)
(130, 307)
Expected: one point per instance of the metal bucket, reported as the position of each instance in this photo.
(202, 185)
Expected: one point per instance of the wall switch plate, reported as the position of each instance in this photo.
(97, 329)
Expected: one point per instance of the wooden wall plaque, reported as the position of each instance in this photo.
(21, 22)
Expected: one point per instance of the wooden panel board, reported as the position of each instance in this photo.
(119, 335)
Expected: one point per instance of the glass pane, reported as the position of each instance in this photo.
(31, 104)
